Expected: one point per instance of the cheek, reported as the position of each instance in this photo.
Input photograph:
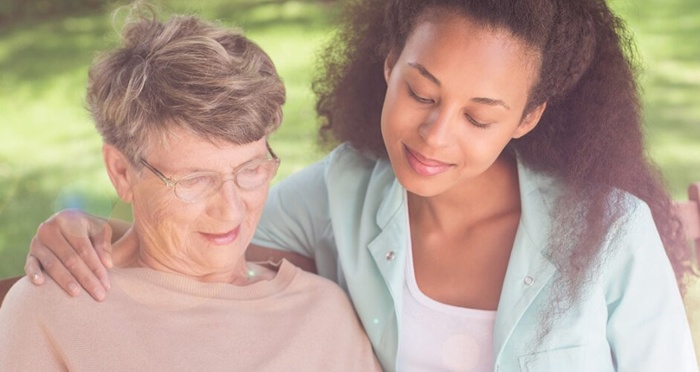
(386, 116)
(255, 202)
(159, 211)
(398, 119)
(485, 145)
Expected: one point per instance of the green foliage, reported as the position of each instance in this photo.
(50, 153)
(15, 11)
(666, 32)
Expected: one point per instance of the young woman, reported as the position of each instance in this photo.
(490, 205)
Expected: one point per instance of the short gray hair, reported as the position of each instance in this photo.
(184, 73)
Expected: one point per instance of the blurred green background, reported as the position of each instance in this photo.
(50, 153)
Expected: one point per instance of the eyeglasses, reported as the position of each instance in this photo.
(201, 185)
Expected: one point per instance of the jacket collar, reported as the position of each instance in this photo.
(528, 272)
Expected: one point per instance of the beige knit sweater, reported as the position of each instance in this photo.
(165, 322)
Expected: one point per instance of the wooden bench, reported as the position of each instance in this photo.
(689, 213)
(688, 210)
(5, 285)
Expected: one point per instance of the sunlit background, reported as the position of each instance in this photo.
(50, 153)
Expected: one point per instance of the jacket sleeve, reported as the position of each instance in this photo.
(647, 326)
(296, 217)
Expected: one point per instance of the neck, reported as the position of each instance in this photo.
(240, 272)
(240, 275)
(494, 193)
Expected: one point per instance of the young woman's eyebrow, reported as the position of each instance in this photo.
(491, 102)
(483, 100)
(424, 71)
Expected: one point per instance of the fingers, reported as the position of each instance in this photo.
(53, 267)
(99, 258)
(65, 250)
(97, 254)
(102, 240)
(33, 270)
(80, 258)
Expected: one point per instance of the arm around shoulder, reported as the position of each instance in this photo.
(295, 219)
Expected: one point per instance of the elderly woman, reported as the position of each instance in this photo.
(185, 108)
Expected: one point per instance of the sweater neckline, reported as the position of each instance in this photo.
(148, 284)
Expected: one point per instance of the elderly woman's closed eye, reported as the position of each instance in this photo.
(200, 221)
(201, 185)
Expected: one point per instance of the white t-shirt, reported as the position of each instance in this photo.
(439, 337)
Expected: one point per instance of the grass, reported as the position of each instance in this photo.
(50, 153)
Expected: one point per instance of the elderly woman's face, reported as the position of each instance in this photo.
(206, 238)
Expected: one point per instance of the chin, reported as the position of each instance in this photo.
(422, 187)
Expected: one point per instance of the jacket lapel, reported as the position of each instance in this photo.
(388, 250)
(529, 270)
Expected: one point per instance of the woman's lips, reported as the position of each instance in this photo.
(222, 239)
(424, 166)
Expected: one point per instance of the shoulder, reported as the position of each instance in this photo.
(317, 286)
(25, 292)
(350, 172)
(536, 183)
(346, 168)
(344, 177)
(318, 293)
(634, 236)
(637, 215)
(546, 189)
(347, 157)
(27, 300)
(635, 263)
(342, 164)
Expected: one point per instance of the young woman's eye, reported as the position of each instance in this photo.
(477, 123)
(418, 98)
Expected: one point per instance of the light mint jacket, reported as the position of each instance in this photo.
(349, 213)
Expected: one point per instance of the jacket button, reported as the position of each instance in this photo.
(390, 255)
(528, 280)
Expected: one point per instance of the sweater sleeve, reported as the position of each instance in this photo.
(647, 325)
(25, 344)
(331, 324)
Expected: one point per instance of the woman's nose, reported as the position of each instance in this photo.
(438, 129)
(227, 203)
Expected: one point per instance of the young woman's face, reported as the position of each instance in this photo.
(455, 98)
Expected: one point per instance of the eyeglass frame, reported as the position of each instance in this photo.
(172, 183)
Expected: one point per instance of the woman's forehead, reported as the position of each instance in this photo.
(188, 150)
(463, 53)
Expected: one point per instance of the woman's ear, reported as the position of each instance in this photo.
(119, 171)
(530, 121)
(389, 63)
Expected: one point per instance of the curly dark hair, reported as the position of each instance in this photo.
(590, 136)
